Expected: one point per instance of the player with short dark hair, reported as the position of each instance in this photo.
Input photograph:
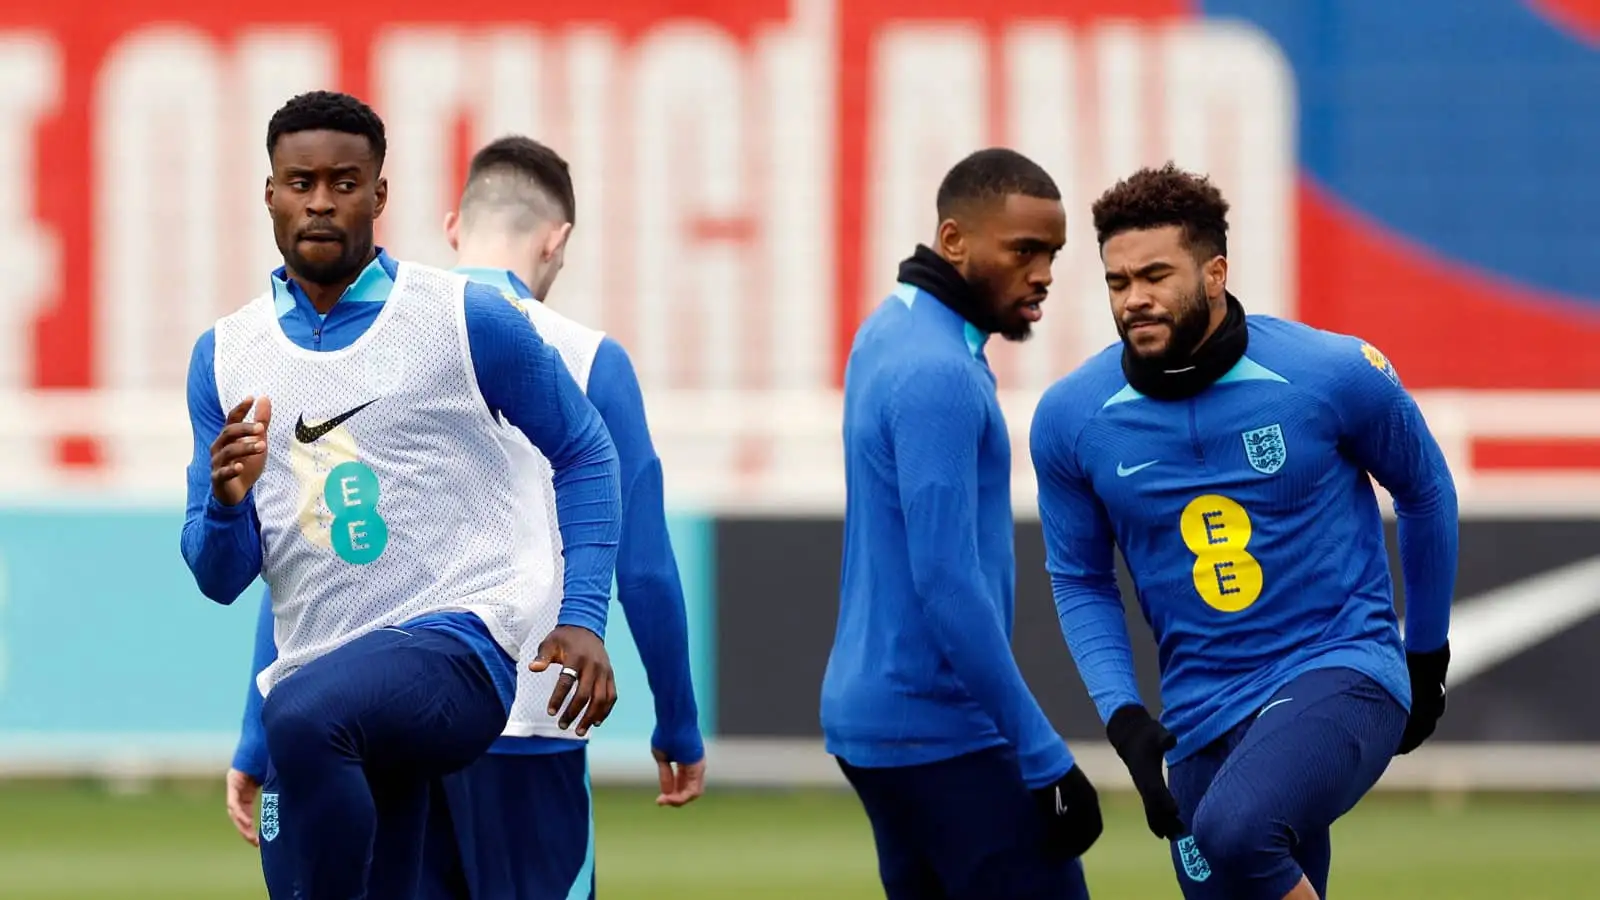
(523, 815)
(538, 177)
(970, 791)
(381, 516)
(519, 822)
(1228, 457)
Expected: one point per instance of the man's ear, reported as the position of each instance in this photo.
(952, 242)
(1215, 272)
(555, 240)
(452, 229)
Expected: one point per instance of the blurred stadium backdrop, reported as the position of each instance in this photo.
(1420, 173)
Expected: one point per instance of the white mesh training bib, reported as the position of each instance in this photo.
(577, 346)
(388, 491)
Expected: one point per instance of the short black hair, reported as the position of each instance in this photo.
(992, 174)
(328, 111)
(1155, 198)
(526, 158)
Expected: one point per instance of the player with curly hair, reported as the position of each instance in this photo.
(1227, 456)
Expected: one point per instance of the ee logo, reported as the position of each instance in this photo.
(359, 535)
(1217, 530)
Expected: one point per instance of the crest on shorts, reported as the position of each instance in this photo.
(269, 816)
(1194, 862)
(1265, 449)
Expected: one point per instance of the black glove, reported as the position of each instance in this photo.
(1142, 742)
(1071, 811)
(1427, 696)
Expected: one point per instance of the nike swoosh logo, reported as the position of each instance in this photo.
(310, 434)
(1271, 705)
(1125, 472)
(1061, 804)
(1492, 627)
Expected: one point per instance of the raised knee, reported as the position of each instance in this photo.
(292, 724)
(1233, 839)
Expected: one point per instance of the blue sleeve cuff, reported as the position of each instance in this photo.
(218, 511)
(1046, 767)
(1428, 557)
(581, 615)
(251, 759)
(681, 746)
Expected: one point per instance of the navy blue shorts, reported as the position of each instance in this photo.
(962, 829)
(356, 741)
(1260, 799)
(513, 827)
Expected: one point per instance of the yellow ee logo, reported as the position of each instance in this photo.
(517, 303)
(1380, 362)
(1217, 530)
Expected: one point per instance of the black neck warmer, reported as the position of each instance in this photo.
(1162, 380)
(929, 271)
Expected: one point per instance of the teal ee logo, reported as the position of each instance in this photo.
(1194, 862)
(359, 535)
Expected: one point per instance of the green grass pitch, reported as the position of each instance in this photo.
(78, 840)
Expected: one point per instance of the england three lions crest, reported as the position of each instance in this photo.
(269, 815)
(1194, 862)
(1265, 449)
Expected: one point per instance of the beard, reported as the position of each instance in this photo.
(993, 314)
(1011, 325)
(1188, 325)
(324, 270)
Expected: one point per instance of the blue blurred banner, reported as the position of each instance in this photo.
(107, 650)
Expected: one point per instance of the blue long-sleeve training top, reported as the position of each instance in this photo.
(521, 379)
(1248, 522)
(648, 584)
(921, 668)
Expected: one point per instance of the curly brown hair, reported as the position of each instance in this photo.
(1154, 198)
